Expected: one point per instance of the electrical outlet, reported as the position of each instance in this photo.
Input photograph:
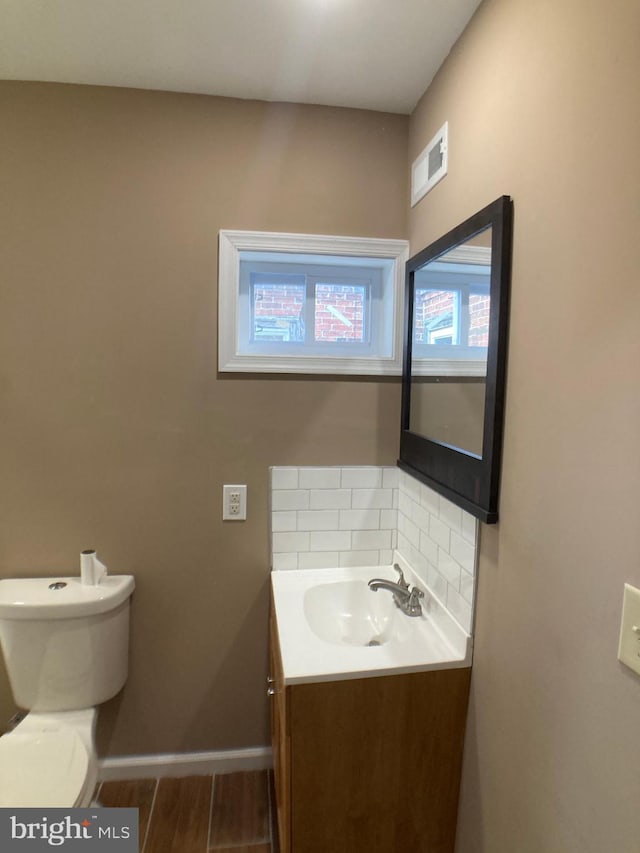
(629, 648)
(234, 503)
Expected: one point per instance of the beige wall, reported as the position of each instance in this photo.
(116, 431)
(542, 103)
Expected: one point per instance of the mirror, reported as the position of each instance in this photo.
(455, 358)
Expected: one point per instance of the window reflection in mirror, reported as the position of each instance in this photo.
(450, 336)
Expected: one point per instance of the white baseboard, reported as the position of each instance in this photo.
(184, 764)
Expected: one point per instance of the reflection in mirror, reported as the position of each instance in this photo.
(455, 359)
(449, 411)
(450, 336)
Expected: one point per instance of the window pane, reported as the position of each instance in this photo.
(435, 319)
(340, 313)
(277, 310)
(479, 320)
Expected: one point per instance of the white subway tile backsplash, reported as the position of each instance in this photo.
(359, 558)
(459, 608)
(319, 478)
(286, 499)
(404, 546)
(417, 561)
(428, 548)
(330, 499)
(359, 519)
(358, 516)
(447, 543)
(405, 504)
(451, 515)
(284, 478)
(318, 560)
(419, 515)
(369, 540)
(372, 499)
(439, 532)
(437, 583)
(283, 521)
(284, 562)
(410, 530)
(330, 540)
(449, 568)
(463, 552)
(469, 528)
(390, 478)
(466, 586)
(318, 519)
(429, 500)
(361, 478)
(388, 519)
(288, 542)
(410, 486)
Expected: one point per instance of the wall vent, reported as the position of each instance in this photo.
(430, 166)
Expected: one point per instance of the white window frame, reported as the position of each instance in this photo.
(436, 360)
(232, 351)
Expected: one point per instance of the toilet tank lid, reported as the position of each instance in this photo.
(61, 598)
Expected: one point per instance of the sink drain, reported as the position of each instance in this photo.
(374, 642)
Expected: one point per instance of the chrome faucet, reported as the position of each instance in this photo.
(407, 599)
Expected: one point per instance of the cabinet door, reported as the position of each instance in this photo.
(280, 738)
(375, 762)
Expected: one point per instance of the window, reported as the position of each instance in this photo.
(295, 303)
(451, 314)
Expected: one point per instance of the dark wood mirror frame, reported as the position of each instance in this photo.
(470, 481)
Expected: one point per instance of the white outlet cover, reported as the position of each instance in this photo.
(629, 647)
(234, 503)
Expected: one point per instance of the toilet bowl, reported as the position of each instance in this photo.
(65, 646)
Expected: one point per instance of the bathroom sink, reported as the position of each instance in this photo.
(331, 626)
(349, 613)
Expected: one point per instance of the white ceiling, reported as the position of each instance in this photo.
(372, 54)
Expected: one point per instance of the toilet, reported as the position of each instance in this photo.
(66, 648)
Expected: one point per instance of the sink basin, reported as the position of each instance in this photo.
(331, 626)
(349, 613)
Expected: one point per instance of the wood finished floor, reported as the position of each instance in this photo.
(228, 813)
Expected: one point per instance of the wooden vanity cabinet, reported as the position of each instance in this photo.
(367, 764)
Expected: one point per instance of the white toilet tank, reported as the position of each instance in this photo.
(65, 644)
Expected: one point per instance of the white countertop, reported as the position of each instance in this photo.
(433, 640)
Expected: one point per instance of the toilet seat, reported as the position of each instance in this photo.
(42, 769)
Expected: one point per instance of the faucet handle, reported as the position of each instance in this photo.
(401, 581)
(413, 605)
